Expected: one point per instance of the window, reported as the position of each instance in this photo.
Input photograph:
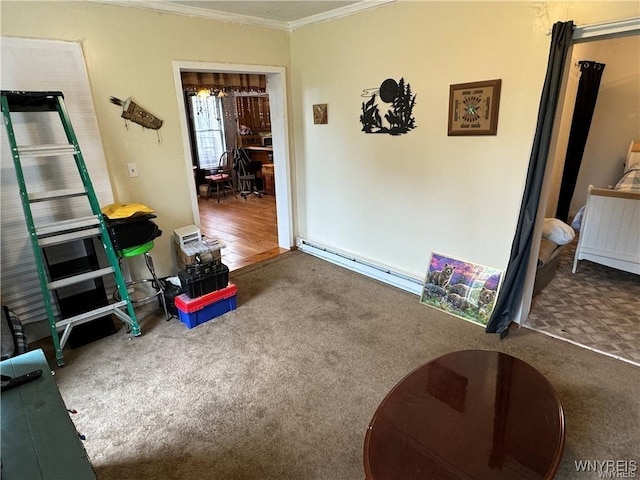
(208, 129)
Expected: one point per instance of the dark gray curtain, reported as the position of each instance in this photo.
(510, 298)
(588, 87)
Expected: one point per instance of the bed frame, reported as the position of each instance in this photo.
(610, 230)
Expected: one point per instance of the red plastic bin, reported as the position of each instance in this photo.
(195, 311)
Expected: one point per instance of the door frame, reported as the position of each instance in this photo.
(581, 34)
(277, 90)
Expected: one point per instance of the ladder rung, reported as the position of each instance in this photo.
(92, 315)
(46, 150)
(68, 237)
(83, 277)
(66, 225)
(55, 194)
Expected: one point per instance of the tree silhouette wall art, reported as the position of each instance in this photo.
(399, 118)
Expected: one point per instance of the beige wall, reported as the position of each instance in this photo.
(394, 200)
(390, 199)
(128, 52)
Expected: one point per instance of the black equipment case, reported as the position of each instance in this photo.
(200, 279)
(132, 231)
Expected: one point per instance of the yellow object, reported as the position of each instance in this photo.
(125, 210)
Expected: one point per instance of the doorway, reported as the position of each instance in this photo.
(256, 211)
(578, 307)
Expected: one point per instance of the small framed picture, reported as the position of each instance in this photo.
(320, 113)
(473, 108)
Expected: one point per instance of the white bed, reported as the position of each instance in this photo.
(610, 226)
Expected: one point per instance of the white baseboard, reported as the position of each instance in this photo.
(378, 272)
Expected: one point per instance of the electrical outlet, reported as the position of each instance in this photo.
(132, 168)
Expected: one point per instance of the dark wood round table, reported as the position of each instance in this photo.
(472, 414)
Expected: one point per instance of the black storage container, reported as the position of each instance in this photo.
(200, 281)
(133, 231)
(73, 259)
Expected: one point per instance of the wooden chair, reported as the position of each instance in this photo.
(221, 176)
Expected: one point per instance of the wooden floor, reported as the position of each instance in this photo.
(247, 227)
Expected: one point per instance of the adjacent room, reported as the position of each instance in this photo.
(593, 301)
(229, 123)
(310, 240)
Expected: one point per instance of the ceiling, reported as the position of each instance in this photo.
(286, 15)
(286, 11)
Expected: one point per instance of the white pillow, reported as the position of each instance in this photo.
(633, 160)
(557, 231)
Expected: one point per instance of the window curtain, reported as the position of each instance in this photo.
(253, 112)
(45, 65)
(590, 77)
(510, 299)
(223, 82)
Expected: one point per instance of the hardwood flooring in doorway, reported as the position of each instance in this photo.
(247, 227)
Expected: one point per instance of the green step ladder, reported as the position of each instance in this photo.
(65, 231)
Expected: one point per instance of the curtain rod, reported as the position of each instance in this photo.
(583, 32)
(607, 28)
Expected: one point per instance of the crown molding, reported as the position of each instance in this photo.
(248, 19)
(198, 12)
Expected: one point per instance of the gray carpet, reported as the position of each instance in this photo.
(284, 386)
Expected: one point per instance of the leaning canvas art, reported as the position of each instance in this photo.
(466, 290)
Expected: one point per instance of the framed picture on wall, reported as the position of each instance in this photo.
(473, 108)
(320, 114)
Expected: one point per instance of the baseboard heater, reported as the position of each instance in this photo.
(383, 274)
